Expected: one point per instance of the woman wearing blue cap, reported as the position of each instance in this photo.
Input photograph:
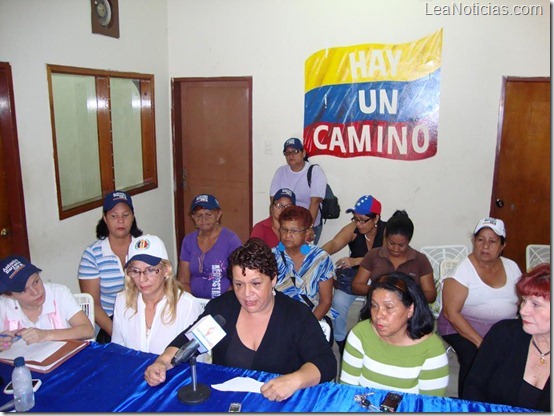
(35, 311)
(268, 229)
(204, 252)
(362, 234)
(101, 267)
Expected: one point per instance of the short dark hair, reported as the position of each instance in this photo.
(255, 254)
(401, 224)
(102, 229)
(296, 213)
(422, 321)
(536, 282)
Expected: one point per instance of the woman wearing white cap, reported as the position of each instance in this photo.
(154, 307)
(480, 292)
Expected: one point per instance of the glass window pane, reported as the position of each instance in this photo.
(75, 107)
(126, 132)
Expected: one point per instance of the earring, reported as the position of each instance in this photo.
(273, 291)
(304, 249)
(281, 247)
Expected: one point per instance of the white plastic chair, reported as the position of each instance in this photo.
(86, 302)
(203, 302)
(536, 254)
(436, 255)
(326, 329)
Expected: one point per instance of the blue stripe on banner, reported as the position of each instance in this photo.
(389, 101)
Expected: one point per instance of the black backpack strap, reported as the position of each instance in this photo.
(310, 175)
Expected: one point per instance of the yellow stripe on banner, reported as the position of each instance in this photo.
(374, 62)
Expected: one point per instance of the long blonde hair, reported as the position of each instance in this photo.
(173, 290)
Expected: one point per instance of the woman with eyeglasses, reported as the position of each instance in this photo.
(154, 307)
(363, 233)
(268, 229)
(204, 252)
(396, 255)
(305, 271)
(395, 347)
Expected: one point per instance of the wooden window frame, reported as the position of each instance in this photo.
(105, 145)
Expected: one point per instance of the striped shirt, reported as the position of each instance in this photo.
(100, 262)
(369, 361)
(317, 267)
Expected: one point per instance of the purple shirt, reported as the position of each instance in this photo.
(208, 271)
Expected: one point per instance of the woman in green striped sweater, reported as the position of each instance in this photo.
(394, 347)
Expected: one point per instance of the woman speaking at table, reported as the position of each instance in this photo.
(265, 330)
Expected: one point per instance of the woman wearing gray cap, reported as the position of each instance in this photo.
(480, 292)
(35, 311)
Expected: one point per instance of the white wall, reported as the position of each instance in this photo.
(34, 33)
(270, 40)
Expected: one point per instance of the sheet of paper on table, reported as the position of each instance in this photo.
(246, 384)
(33, 352)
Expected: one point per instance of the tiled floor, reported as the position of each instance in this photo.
(451, 391)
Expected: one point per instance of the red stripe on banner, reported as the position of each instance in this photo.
(413, 140)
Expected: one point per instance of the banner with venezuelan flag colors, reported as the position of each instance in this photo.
(377, 100)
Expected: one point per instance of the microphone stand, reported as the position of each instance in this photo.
(194, 393)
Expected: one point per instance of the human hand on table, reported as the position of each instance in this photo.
(33, 335)
(280, 388)
(155, 373)
(7, 338)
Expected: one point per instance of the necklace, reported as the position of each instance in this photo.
(543, 354)
(368, 239)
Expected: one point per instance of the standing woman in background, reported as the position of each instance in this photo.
(362, 234)
(204, 252)
(101, 267)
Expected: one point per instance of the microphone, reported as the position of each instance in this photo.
(204, 335)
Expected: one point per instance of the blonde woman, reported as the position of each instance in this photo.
(154, 307)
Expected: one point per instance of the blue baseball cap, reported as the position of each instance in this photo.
(366, 205)
(205, 201)
(294, 143)
(285, 193)
(114, 198)
(14, 273)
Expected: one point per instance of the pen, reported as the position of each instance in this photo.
(16, 338)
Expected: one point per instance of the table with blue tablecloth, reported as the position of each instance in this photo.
(110, 378)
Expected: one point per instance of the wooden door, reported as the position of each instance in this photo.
(13, 227)
(212, 127)
(521, 188)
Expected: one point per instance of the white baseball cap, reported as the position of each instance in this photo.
(147, 248)
(494, 224)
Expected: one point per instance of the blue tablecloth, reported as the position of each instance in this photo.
(110, 378)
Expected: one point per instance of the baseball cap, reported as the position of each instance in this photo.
(366, 205)
(147, 248)
(287, 193)
(14, 273)
(294, 143)
(205, 201)
(114, 198)
(494, 224)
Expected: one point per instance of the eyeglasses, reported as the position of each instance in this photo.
(291, 230)
(148, 272)
(207, 216)
(278, 205)
(291, 152)
(361, 220)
